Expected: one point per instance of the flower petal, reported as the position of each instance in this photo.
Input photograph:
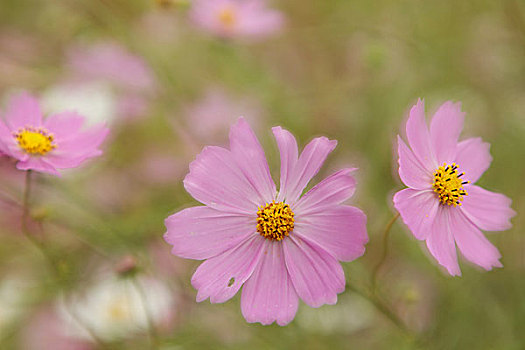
(411, 171)
(220, 277)
(9, 145)
(487, 210)
(66, 161)
(309, 163)
(250, 158)
(84, 142)
(289, 155)
(473, 158)
(64, 125)
(269, 295)
(333, 190)
(76, 147)
(23, 110)
(203, 232)
(418, 210)
(37, 164)
(315, 273)
(441, 244)
(216, 180)
(445, 128)
(339, 230)
(419, 137)
(473, 245)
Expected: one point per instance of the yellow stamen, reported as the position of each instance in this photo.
(35, 140)
(227, 17)
(448, 185)
(275, 220)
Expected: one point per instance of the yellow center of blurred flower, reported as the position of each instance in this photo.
(275, 220)
(119, 310)
(448, 185)
(35, 141)
(227, 17)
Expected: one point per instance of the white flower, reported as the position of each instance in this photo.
(95, 100)
(116, 308)
(13, 303)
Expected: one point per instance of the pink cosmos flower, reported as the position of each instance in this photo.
(236, 18)
(108, 61)
(442, 205)
(46, 145)
(279, 245)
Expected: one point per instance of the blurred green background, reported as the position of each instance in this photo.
(349, 70)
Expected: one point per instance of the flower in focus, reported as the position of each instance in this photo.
(279, 245)
(236, 18)
(116, 308)
(442, 205)
(47, 145)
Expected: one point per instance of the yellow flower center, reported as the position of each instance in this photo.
(275, 220)
(227, 17)
(448, 185)
(119, 310)
(35, 141)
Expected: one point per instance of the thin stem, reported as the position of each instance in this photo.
(25, 200)
(386, 235)
(25, 216)
(382, 307)
(151, 326)
(84, 325)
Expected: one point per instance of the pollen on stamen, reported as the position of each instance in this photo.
(448, 186)
(227, 17)
(35, 141)
(275, 221)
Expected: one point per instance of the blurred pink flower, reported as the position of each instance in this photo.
(46, 331)
(103, 81)
(280, 246)
(110, 62)
(45, 146)
(109, 190)
(157, 167)
(236, 18)
(210, 117)
(442, 205)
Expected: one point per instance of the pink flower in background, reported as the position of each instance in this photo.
(110, 62)
(236, 18)
(45, 330)
(47, 145)
(442, 205)
(103, 81)
(211, 116)
(279, 245)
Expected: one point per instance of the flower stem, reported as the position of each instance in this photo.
(386, 235)
(25, 216)
(149, 319)
(382, 307)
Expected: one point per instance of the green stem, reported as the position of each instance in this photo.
(382, 307)
(25, 218)
(152, 331)
(384, 254)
